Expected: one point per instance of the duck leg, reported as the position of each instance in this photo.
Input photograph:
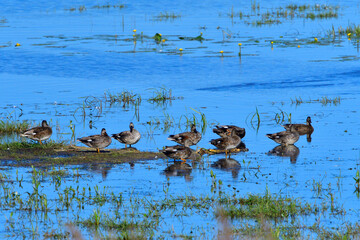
(125, 145)
(40, 142)
(98, 150)
(183, 160)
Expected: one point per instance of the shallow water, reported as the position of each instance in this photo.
(67, 55)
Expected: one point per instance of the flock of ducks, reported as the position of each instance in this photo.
(230, 138)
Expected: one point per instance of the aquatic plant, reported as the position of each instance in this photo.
(157, 37)
(83, 8)
(167, 16)
(297, 100)
(13, 126)
(352, 30)
(28, 145)
(357, 182)
(282, 116)
(91, 107)
(161, 95)
(300, 8)
(126, 98)
(325, 100)
(267, 206)
(108, 6)
(198, 119)
(197, 38)
(255, 119)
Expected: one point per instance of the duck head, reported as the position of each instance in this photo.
(308, 120)
(193, 128)
(103, 132)
(131, 126)
(44, 123)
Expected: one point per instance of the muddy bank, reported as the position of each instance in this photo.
(36, 155)
(27, 154)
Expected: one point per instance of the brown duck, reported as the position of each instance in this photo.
(221, 130)
(285, 138)
(187, 138)
(38, 133)
(230, 141)
(97, 141)
(302, 129)
(177, 152)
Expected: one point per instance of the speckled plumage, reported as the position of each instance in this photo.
(97, 141)
(187, 138)
(221, 130)
(230, 141)
(177, 152)
(38, 133)
(287, 137)
(302, 129)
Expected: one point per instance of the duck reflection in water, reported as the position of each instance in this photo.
(291, 151)
(102, 169)
(179, 169)
(228, 164)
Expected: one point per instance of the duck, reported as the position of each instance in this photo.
(302, 129)
(187, 138)
(38, 133)
(285, 138)
(128, 137)
(221, 130)
(230, 141)
(97, 141)
(177, 152)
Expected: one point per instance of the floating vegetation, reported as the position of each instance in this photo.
(295, 7)
(198, 38)
(167, 16)
(266, 21)
(82, 8)
(277, 15)
(3, 20)
(108, 6)
(297, 101)
(323, 100)
(157, 37)
(326, 100)
(350, 31)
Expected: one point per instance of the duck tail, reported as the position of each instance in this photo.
(171, 137)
